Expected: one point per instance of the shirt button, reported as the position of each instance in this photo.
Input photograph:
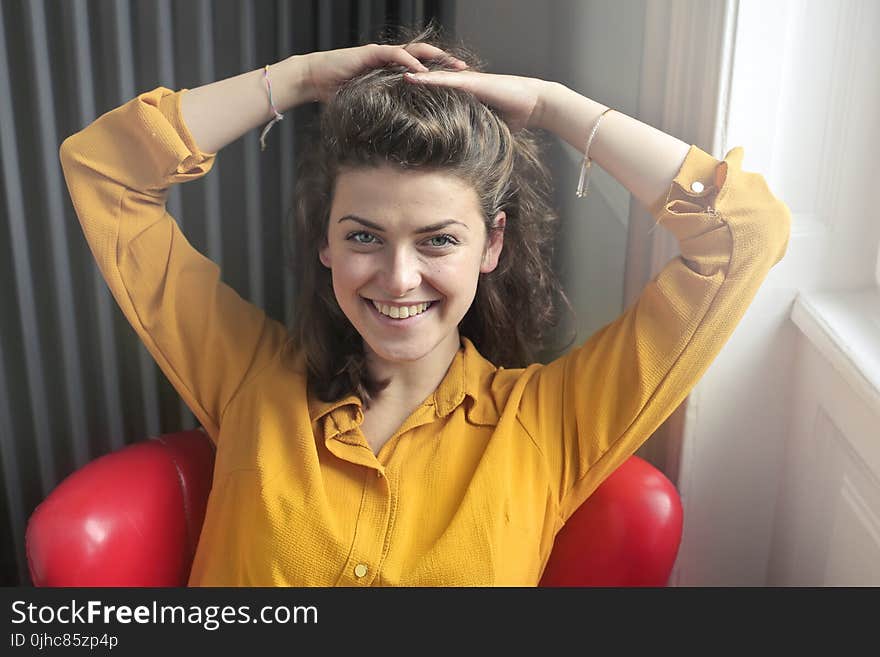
(697, 187)
(360, 570)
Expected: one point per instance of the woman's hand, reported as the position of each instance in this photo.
(519, 99)
(326, 70)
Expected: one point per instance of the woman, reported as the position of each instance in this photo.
(401, 433)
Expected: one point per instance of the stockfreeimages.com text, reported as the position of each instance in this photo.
(210, 617)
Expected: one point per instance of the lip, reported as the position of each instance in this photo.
(401, 304)
(384, 320)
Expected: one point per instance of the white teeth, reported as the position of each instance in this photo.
(401, 312)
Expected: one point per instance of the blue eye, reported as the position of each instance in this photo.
(449, 240)
(364, 238)
(354, 237)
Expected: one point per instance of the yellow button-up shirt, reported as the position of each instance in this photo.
(474, 486)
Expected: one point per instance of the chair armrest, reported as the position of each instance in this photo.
(627, 533)
(129, 518)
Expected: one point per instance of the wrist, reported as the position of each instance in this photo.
(568, 114)
(549, 92)
(291, 77)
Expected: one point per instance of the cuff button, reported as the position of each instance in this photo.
(697, 187)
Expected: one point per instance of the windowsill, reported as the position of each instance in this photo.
(844, 326)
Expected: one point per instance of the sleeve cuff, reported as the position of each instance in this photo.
(169, 105)
(160, 111)
(697, 181)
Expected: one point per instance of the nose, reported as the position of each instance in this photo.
(402, 273)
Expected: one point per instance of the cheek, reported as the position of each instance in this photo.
(351, 269)
(454, 277)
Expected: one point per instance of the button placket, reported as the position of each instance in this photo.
(370, 534)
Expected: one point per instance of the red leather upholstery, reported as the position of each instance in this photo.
(627, 533)
(133, 517)
(130, 518)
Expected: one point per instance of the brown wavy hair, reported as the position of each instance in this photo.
(379, 118)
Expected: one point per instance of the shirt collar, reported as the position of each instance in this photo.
(467, 375)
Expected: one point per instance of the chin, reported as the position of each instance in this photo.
(399, 353)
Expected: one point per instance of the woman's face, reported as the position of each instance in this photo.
(402, 239)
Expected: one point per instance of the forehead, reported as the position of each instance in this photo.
(388, 194)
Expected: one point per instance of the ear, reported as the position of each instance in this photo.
(324, 256)
(494, 244)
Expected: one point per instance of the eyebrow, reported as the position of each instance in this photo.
(425, 229)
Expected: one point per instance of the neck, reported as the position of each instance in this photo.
(414, 381)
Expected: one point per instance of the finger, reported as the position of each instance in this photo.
(466, 80)
(398, 55)
(426, 51)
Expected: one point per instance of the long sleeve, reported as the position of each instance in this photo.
(592, 408)
(204, 336)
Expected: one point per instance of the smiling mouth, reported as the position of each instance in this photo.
(397, 321)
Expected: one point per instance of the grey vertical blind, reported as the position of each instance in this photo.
(75, 382)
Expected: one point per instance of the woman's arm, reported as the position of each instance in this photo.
(219, 113)
(642, 158)
(118, 170)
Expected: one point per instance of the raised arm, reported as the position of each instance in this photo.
(221, 112)
(204, 336)
(641, 158)
(595, 406)
(217, 114)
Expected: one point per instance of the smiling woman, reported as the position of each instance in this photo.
(402, 431)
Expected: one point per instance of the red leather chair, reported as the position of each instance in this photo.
(133, 518)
